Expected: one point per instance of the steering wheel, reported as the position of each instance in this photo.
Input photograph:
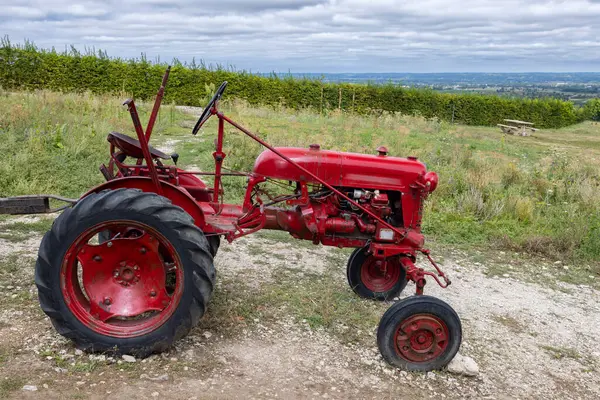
(208, 109)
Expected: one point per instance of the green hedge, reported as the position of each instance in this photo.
(27, 67)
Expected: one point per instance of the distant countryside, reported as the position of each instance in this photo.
(577, 87)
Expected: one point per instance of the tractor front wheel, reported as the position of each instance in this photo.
(373, 279)
(125, 272)
(419, 333)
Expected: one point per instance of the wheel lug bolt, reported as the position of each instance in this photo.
(115, 273)
(107, 301)
(136, 267)
(153, 293)
(97, 258)
(405, 348)
(109, 244)
(143, 250)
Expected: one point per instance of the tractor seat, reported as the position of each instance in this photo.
(131, 147)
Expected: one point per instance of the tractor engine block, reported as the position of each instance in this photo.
(328, 214)
(375, 201)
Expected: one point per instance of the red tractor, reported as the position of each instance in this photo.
(129, 268)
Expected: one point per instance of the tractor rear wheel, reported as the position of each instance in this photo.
(135, 293)
(214, 242)
(371, 279)
(419, 333)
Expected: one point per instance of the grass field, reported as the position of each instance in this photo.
(535, 194)
(510, 213)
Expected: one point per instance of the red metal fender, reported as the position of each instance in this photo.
(178, 196)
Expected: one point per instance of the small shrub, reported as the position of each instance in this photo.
(511, 176)
(523, 208)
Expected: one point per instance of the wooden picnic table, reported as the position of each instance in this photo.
(516, 127)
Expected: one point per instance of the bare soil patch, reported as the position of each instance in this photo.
(284, 324)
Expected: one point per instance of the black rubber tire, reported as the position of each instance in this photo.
(355, 263)
(214, 242)
(155, 211)
(404, 309)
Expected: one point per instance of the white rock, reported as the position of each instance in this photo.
(128, 358)
(189, 354)
(155, 394)
(30, 388)
(207, 334)
(78, 352)
(462, 365)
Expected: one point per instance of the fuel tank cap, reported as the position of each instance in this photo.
(382, 150)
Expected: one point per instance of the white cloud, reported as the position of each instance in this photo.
(324, 35)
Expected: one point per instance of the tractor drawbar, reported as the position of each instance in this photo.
(32, 204)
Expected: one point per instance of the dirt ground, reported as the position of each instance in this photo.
(530, 340)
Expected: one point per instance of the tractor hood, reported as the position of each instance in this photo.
(342, 169)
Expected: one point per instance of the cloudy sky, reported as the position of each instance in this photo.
(324, 35)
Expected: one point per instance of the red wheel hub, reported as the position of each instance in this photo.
(421, 338)
(125, 287)
(379, 275)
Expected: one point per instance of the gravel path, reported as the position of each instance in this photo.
(530, 341)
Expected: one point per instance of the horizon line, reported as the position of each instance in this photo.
(431, 73)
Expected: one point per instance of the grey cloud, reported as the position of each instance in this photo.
(321, 35)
